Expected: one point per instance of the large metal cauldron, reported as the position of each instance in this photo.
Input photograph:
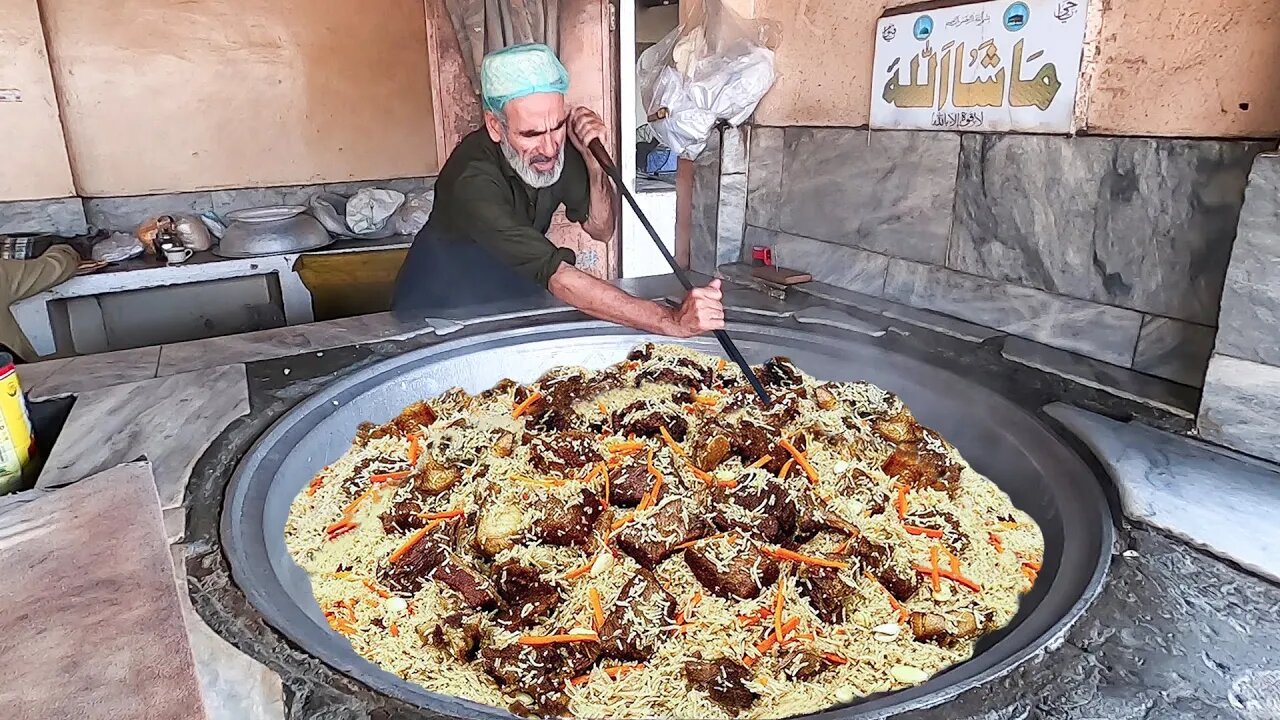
(1009, 445)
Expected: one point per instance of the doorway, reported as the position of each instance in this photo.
(642, 23)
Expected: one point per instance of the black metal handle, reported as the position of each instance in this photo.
(730, 348)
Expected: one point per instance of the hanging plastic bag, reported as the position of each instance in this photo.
(714, 68)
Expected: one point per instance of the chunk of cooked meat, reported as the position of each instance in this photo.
(785, 411)
(630, 486)
(433, 477)
(723, 680)
(731, 567)
(711, 447)
(562, 452)
(812, 517)
(458, 634)
(945, 630)
(920, 467)
(758, 505)
(901, 581)
(825, 397)
(683, 372)
(826, 592)
(646, 418)
(505, 444)
(780, 372)
(527, 596)
(540, 671)
(499, 525)
(452, 401)
(634, 625)
(946, 523)
(430, 559)
(569, 522)
(900, 427)
(641, 353)
(803, 665)
(652, 539)
(402, 517)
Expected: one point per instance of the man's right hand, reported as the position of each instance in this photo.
(701, 311)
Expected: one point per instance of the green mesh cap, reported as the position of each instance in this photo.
(520, 70)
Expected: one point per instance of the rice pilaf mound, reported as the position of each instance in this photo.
(648, 540)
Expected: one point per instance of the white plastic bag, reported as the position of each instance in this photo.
(118, 247)
(714, 69)
(370, 209)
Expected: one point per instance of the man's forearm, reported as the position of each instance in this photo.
(603, 301)
(602, 220)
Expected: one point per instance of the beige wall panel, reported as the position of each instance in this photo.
(161, 96)
(33, 156)
(1184, 67)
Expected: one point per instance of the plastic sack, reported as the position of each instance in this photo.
(413, 215)
(713, 69)
(370, 209)
(118, 247)
(331, 211)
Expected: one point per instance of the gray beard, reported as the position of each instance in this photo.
(531, 177)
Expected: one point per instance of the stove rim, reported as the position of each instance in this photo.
(379, 681)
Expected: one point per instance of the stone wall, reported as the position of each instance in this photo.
(1112, 248)
(1241, 402)
(78, 216)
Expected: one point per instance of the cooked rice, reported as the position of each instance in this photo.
(342, 569)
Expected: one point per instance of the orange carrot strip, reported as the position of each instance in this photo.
(785, 554)
(603, 410)
(726, 483)
(346, 527)
(933, 569)
(893, 601)
(706, 399)
(1033, 565)
(413, 449)
(623, 520)
(384, 477)
(556, 639)
(376, 590)
(777, 609)
(605, 472)
(394, 630)
(771, 640)
(520, 409)
(800, 459)
(837, 659)
(596, 608)
(671, 443)
(628, 446)
(927, 532)
(902, 501)
(947, 574)
(786, 468)
(697, 598)
(802, 636)
(1008, 525)
(351, 506)
(314, 485)
(955, 562)
(842, 548)
(996, 542)
(720, 366)
(580, 571)
(408, 544)
(761, 462)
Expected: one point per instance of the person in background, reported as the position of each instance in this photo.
(485, 245)
(20, 279)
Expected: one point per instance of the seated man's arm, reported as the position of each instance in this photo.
(24, 278)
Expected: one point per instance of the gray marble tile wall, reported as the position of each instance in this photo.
(719, 201)
(1241, 404)
(1134, 233)
(74, 216)
(63, 216)
(1140, 223)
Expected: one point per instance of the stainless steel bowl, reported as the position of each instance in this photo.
(272, 230)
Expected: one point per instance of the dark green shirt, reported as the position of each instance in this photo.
(480, 198)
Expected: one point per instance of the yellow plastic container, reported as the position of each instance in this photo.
(16, 438)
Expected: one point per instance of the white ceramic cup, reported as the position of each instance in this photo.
(173, 256)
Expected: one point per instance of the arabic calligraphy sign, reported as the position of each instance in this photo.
(989, 66)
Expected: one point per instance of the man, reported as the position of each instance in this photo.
(485, 247)
(19, 280)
